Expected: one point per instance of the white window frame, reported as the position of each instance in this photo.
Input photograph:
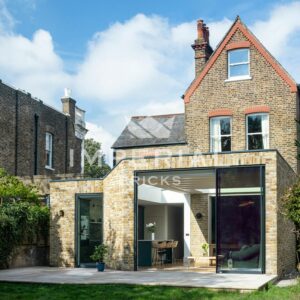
(219, 136)
(243, 77)
(49, 142)
(267, 133)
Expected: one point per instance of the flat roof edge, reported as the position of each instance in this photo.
(76, 179)
(199, 154)
(148, 145)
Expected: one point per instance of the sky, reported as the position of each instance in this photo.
(127, 57)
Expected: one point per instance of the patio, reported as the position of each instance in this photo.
(241, 282)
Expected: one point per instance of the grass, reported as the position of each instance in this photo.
(12, 291)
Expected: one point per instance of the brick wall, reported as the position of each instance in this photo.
(265, 88)
(199, 228)
(17, 129)
(62, 228)
(7, 128)
(118, 189)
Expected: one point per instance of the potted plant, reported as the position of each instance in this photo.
(99, 255)
(151, 228)
(205, 248)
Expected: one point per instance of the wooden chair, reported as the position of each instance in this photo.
(161, 251)
(155, 252)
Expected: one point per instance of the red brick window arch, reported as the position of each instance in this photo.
(257, 109)
(220, 112)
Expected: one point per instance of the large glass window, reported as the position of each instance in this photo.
(220, 134)
(239, 63)
(257, 131)
(240, 219)
(49, 150)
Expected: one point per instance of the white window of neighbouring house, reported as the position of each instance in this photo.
(257, 131)
(239, 64)
(49, 150)
(71, 158)
(220, 134)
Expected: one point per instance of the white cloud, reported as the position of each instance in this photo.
(130, 61)
(141, 66)
(157, 108)
(280, 35)
(277, 32)
(33, 64)
(217, 31)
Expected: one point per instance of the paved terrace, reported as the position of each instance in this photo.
(242, 282)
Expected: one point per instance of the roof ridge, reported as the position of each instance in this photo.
(151, 116)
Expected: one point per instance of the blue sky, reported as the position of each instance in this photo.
(126, 57)
(72, 23)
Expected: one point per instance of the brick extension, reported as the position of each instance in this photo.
(269, 90)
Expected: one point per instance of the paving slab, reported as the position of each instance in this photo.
(242, 282)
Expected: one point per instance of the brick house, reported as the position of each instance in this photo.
(38, 141)
(211, 178)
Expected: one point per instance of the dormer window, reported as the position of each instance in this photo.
(239, 64)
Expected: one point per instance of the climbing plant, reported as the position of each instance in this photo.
(22, 216)
(291, 204)
(13, 189)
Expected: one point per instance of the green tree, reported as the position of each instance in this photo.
(95, 165)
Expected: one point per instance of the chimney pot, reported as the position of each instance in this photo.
(200, 29)
(67, 93)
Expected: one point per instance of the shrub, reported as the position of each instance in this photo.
(291, 204)
(22, 216)
(100, 253)
(19, 222)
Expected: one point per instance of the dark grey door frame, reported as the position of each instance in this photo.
(263, 218)
(78, 197)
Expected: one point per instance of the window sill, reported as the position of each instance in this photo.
(253, 150)
(49, 168)
(238, 78)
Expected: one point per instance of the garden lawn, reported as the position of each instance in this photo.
(111, 291)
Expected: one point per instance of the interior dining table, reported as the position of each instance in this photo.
(152, 252)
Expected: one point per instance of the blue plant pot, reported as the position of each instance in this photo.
(100, 266)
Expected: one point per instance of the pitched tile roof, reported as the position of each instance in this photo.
(239, 25)
(152, 131)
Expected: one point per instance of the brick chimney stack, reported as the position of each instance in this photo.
(201, 47)
(69, 104)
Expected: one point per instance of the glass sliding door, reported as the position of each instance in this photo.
(89, 227)
(240, 219)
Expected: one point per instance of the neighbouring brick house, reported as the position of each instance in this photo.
(209, 178)
(38, 141)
